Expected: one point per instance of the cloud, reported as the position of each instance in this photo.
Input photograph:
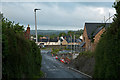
(57, 0)
(63, 15)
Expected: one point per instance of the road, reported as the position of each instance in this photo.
(55, 69)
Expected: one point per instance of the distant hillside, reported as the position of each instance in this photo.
(47, 32)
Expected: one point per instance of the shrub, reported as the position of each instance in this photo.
(107, 53)
(21, 58)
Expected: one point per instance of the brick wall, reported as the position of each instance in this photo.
(89, 45)
(86, 39)
(97, 38)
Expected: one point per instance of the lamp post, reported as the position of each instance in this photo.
(71, 43)
(74, 43)
(36, 24)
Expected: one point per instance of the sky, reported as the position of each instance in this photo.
(57, 15)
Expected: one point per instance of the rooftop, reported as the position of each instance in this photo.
(93, 28)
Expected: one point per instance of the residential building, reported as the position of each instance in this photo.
(92, 33)
(48, 42)
(43, 37)
(64, 42)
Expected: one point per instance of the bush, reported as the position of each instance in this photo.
(55, 51)
(87, 53)
(21, 58)
(107, 53)
(84, 62)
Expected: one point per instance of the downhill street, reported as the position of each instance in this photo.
(55, 69)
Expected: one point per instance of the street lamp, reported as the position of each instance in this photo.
(36, 24)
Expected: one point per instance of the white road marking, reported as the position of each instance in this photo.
(53, 69)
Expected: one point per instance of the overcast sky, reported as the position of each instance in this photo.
(57, 15)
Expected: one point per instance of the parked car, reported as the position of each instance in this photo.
(62, 60)
(56, 57)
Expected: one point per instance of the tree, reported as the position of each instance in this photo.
(53, 36)
(9, 24)
(70, 33)
(107, 53)
(78, 33)
(40, 36)
(62, 34)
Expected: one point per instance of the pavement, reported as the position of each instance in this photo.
(55, 69)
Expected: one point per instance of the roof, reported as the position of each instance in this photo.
(79, 40)
(69, 40)
(43, 40)
(82, 44)
(61, 40)
(53, 40)
(97, 30)
(48, 40)
(94, 28)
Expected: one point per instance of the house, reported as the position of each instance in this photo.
(78, 41)
(63, 41)
(67, 40)
(43, 41)
(49, 42)
(27, 33)
(72, 41)
(92, 33)
(54, 42)
(43, 38)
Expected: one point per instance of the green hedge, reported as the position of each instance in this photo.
(107, 54)
(21, 58)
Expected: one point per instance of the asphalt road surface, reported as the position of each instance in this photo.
(55, 69)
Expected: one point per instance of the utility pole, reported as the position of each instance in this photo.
(74, 43)
(104, 19)
(36, 24)
(61, 38)
(71, 43)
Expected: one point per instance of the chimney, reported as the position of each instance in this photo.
(28, 29)
(28, 32)
(58, 38)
